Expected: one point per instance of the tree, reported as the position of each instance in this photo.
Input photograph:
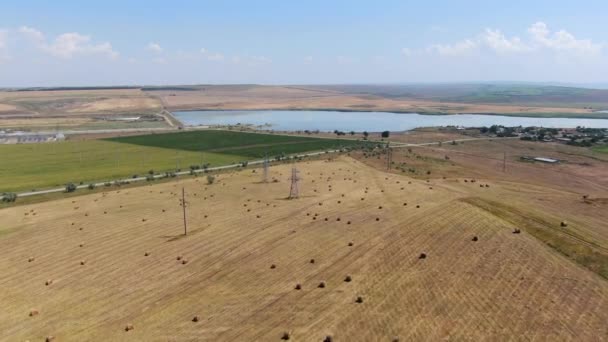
(91, 186)
(70, 187)
(365, 134)
(385, 134)
(9, 197)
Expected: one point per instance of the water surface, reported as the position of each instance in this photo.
(286, 120)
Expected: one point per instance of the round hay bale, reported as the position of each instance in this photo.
(273, 266)
(82, 262)
(298, 287)
(129, 327)
(81, 245)
(49, 339)
(327, 339)
(34, 312)
(380, 207)
(348, 222)
(326, 219)
(516, 231)
(179, 257)
(195, 319)
(48, 282)
(348, 279)
(321, 285)
(285, 336)
(30, 259)
(359, 300)
(395, 339)
(338, 219)
(404, 204)
(475, 238)
(350, 244)
(422, 256)
(184, 261)
(377, 219)
(418, 206)
(564, 224)
(312, 261)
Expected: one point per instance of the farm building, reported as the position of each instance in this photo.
(546, 160)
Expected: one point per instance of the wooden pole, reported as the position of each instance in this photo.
(504, 162)
(184, 207)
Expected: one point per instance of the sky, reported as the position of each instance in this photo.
(98, 43)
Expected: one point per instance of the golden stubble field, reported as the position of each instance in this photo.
(255, 97)
(112, 261)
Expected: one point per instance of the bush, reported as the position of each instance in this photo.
(210, 179)
(70, 187)
(385, 134)
(9, 197)
(91, 186)
(151, 172)
(150, 177)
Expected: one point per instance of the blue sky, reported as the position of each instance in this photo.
(52, 43)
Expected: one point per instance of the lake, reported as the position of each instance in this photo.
(285, 120)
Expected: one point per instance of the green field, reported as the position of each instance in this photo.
(601, 149)
(37, 166)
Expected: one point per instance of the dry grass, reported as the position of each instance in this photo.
(506, 285)
(279, 97)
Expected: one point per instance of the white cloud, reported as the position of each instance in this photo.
(154, 47)
(561, 40)
(260, 60)
(68, 45)
(496, 40)
(406, 52)
(465, 47)
(3, 38)
(3, 42)
(217, 57)
(540, 38)
(203, 51)
(32, 34)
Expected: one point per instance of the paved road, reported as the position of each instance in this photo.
(181, 173)
(232, 166)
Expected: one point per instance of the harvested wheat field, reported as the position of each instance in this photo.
(362, 255)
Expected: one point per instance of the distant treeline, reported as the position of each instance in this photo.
(147, 88)
(73, 88)
(170, 88)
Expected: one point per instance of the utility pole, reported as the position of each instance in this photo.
(265, 173)
(184, 209)
(294, 191)
(389, 158)
(504, 161)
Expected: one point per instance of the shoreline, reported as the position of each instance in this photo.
(600, 115)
